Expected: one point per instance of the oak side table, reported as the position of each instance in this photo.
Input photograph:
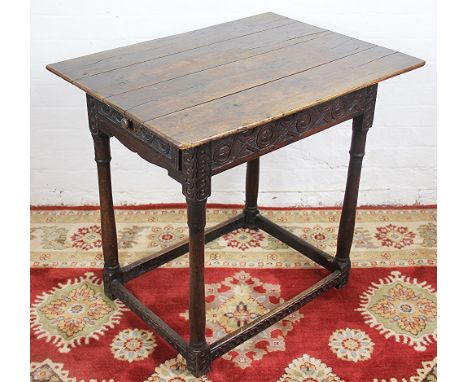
(202, 102)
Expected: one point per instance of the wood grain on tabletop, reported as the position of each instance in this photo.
(206, 84)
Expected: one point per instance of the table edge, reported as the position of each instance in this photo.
(188, 145)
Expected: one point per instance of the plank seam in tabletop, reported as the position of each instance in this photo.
(136, 76)
(171, 38)
(218, 66)
(181, 51)
(271, 118)
(378, 58)
(127, 103)
(174, 37)
(263, 83)
(185, 145)
(77, 61)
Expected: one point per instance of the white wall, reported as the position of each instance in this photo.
(400, 165)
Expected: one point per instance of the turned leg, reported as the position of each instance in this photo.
(251, 192)
(199, 362)
(348, 214)
(108, 229)
(196, 220)
(196, 186)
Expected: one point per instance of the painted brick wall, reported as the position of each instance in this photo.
(400, 165)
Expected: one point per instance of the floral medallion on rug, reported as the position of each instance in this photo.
(235, 302)
(380, 328)
(74, 312)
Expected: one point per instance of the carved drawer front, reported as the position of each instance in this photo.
(118, 122)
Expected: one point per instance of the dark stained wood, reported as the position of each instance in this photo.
(254, 327)
(192, 86)
(196, 175)
(260, 105)
(102, 156)
(192, 65)
(361, 126)
(224, 153)
(199, 357)
(252, 177)
(233, 150)
(152, 319)
(96, 63)
(150, 262)
(193, 170)
(148, 145)
(305, 248)
(197, 87)
(196, 220)
(202, 102)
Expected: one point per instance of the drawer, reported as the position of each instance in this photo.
(119, 125)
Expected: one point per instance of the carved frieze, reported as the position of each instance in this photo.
(262, 139)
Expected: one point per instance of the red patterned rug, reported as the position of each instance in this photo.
(381, 327)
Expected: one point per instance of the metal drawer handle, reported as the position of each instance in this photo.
(125, 123)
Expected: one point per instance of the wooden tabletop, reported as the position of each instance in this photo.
(199, 86)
